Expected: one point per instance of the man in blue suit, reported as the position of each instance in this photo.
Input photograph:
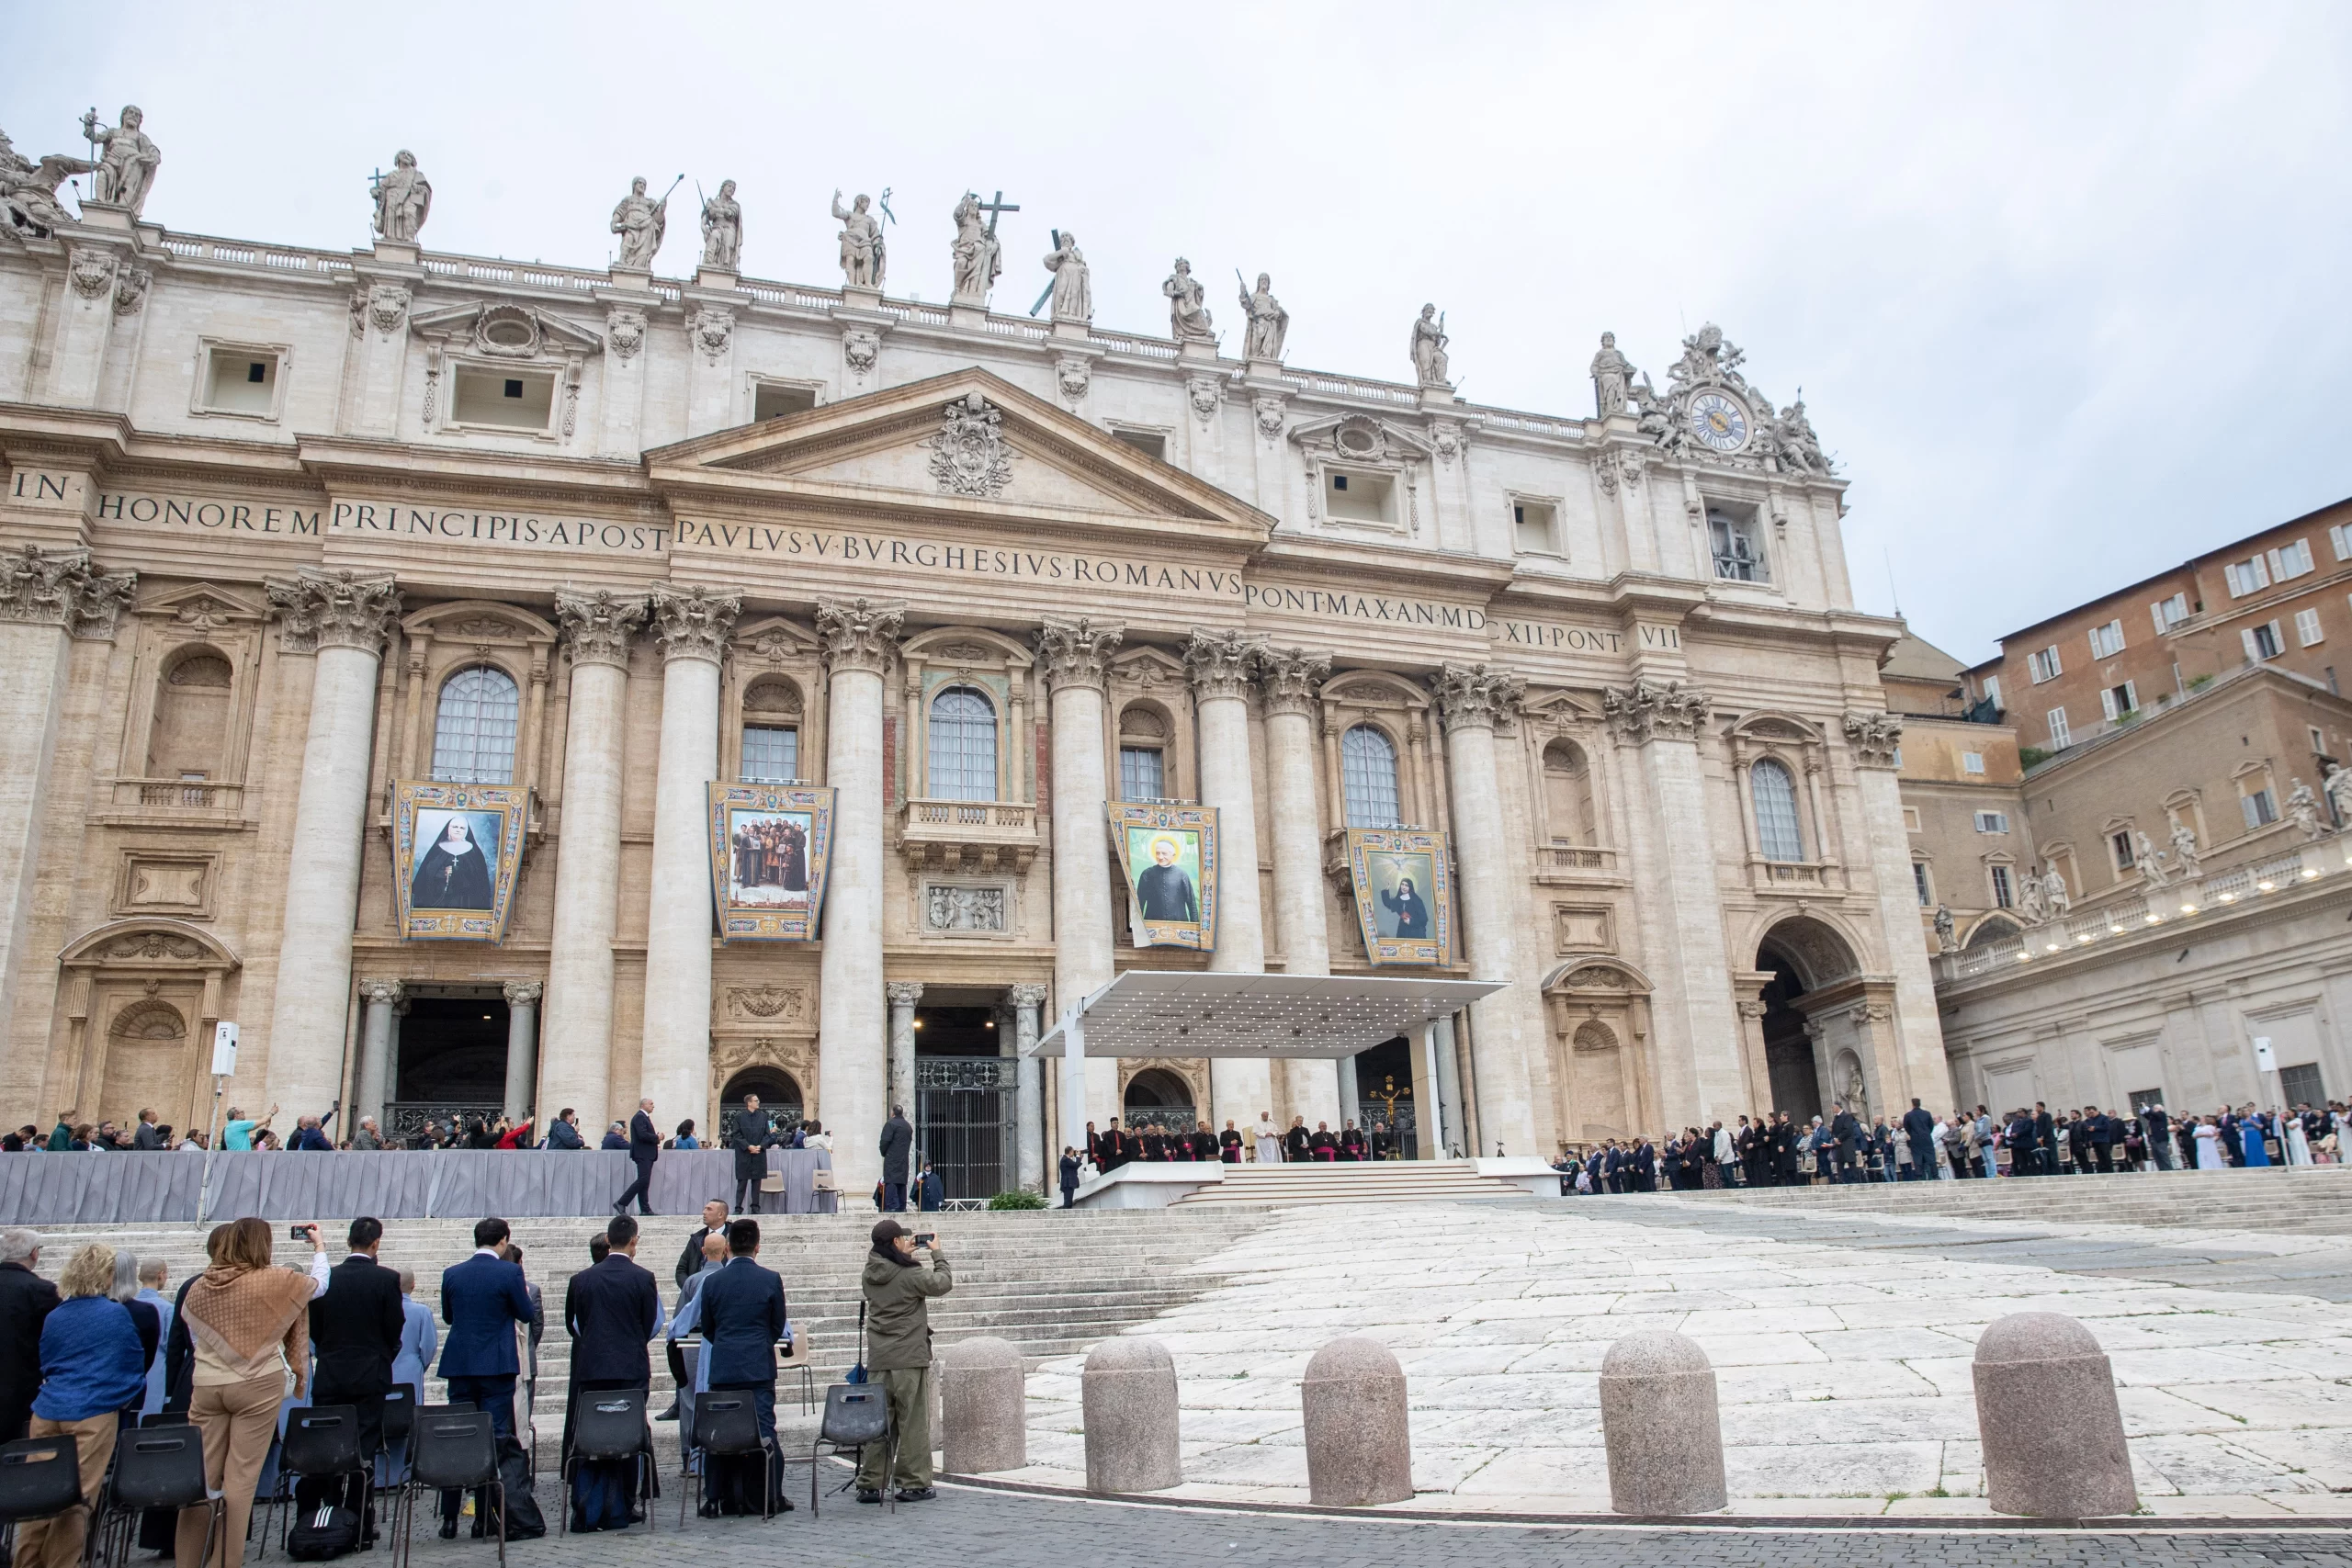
(482, 1301)
(644, 1148)
(742, 1313)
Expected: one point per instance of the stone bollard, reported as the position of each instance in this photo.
(981, 1407)
(1658, 1418)
(2046, 1413)
(1128, 1396)
(1359, 1439)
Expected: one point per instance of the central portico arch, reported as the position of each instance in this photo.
(1817, 1024)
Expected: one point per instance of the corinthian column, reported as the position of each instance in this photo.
(1076, 656)
(344, 620)
(1220, 663)
(577, 1045)
(902, 996)
(521, 1046)
(1474, 698)
(1290, 677)
(858, 638)
(1036, 1160)
(371, 1086)
(694, 626)
(1875, 740)
(47, 599)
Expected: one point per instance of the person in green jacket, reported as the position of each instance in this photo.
(898, 1356)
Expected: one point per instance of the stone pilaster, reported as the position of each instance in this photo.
(1876, 739)
(1075, 655)
(903, 995)
(342, 619)
(1290, 677)
(1698, 1050)
(380, 1003)
(1036, 1159)
(1220, 665)
(597, 628)
(521, 1046)
(858, 638)
(1474, 699)
(694, 626)
(47, 599)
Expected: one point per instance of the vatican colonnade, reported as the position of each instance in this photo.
(307, 557)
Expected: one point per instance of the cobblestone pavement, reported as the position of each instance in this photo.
(978, 1528)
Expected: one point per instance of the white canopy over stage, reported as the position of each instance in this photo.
(1144, 1012)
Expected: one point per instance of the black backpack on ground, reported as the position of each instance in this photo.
(322, 1533)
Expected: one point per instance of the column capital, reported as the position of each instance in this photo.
(335, 609)
(1290, 676)
(694, 622)
(1652, 709)
(1077, 653)
(859, 634)
(382, 993)
(902, 993)
(61, 588)
(1028, 996)
(1478, 696)
(1220, 663)
(597, 624)
(1876, 738)
(525, 993)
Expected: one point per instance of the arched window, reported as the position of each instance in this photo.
(473, 734)
(1776, 811)
(1368, 777)
(962, 745)
(1568, 795)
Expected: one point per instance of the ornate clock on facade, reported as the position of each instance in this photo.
(1718, 422)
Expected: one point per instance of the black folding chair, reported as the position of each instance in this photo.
(452, 1451)
(155, 1467)
(726, 1426)
(40, 1479)
(609, 1424)
(856, 1414)
(322, 1442)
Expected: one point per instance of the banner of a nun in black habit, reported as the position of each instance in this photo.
(1403, 897)
(455, 850)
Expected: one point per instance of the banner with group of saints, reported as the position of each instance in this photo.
(769, 846)
(1168, 856)
(1404, 895)
(455, 850)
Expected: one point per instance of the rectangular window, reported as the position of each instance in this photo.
(1911, 820)
(1358, 497)
(2307, 632)
(2119, 846)
(2259, 808)
(2044, 666)
(1141, 777)
(1736, 543)
(2290, 561)
(241, 380)
(1535, 525)
(2319, 741)
(1919, 883)
(2107, 641)
(1993, 689)
(2003, 897)
(2117, 701)
(2060, 736)
(484, 396)
(1150, 443)
(773, 399)
(771, 754)
(1992, 821)
(2247, 577)
(1971, 762)
(2169, 613)
(2301, 1086)
(2261, 642)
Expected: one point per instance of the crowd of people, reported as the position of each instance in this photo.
(103, 1348)
(1264, 1143)
(1776, 1150)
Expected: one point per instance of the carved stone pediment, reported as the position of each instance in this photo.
(506, 332)
(1365, 439)
(202, 607)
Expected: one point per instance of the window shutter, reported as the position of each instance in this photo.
(2341, 537)
(2253, 653)
(2253, 813)
(2107, 703)
(2131, 697)
(2156, 614)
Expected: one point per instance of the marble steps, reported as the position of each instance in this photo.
(2309, 1200)
(1384, 1181)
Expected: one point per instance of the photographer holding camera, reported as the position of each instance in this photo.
(896, 1286)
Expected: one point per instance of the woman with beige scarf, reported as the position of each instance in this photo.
(250, 1325)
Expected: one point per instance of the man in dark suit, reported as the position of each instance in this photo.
(611, 1311)
(482, 1301)
(644, 1148)
(355, 1329)
(742, 1313)
(25, 1302)
(689, 1264)
(750, 1138)
(1846, 1133)
(2045, 1141)
(1919, 1127)
(897, 1144)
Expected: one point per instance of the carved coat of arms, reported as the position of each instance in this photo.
(968, 455)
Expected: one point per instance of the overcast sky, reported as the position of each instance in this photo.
(2063, 284)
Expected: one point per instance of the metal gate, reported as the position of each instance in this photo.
(965, 1108)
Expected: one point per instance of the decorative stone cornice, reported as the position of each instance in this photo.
(1028, 996)
(1876, 738)
(859, 634)
(60, 589)
(1648, 709)
(1077, 653)
(382, 993)
(334, 609)
(1478, 696)
(902, 993)
(694, 622)
(525, 993)
(1290, 676)
(597, 624)
(1220, 663)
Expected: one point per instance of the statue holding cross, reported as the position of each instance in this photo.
(978, 257)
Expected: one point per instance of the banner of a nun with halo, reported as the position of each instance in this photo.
(1404, 900)
(455, 850)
